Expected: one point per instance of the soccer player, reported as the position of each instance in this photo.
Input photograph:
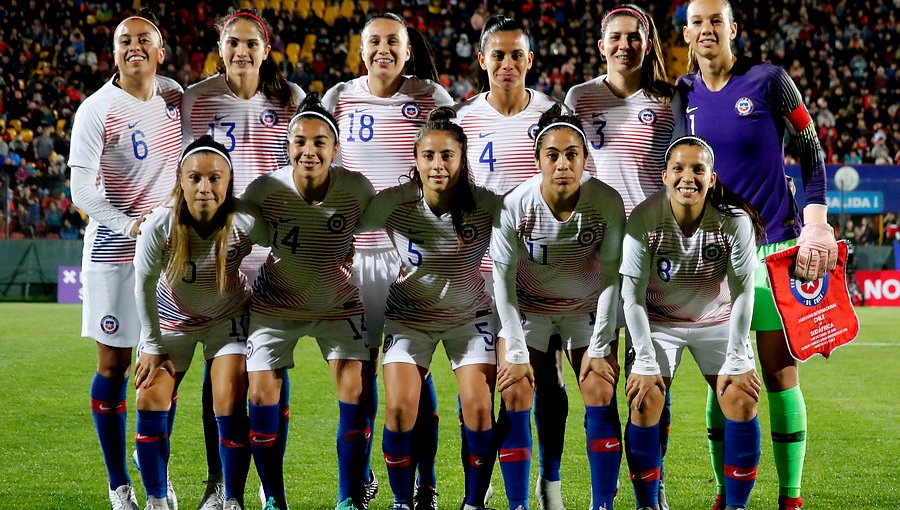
(246, 108)
(687, 266)
(126, 139)
(304, 289)
(631, 120)
(743, 108)
(501, 123)
(189, 290)
(440, 225)
(556, 254)
(379, 115)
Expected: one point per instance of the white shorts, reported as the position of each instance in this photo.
(374, 270)
(227, 337)
(707, 342)
(575, 331)
(473, 343)
(109, 314)
(271, 343)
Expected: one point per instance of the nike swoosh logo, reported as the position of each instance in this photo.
(648, 476)
(742, 475)
(217, 118)
(485, 135)
(479, 463)
(536, 238)
(414, 232)
(504, 455)
(360, 110)
(105, 408)
(596, 114)
(394, 462)
(263, 440)
(141, 436)
(611, 445)
(131, 126)
(691, 109)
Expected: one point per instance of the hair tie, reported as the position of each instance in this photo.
(308, 113)
(249, 15)
(559, 124)
(631, 11)
(152, 24)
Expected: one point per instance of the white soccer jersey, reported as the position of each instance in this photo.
(501, 148)
(627, 138)
(558, 262)
(439, 285)
(193, 302)
(688, 275)
(135, 145)
(253, 130)
(377, 134)
(307, 275)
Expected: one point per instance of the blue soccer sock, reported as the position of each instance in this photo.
(741, 459)
(152, 444)
(284, 414)
(109, 411)
(425, 434)
(551, 408)
(170, 421)
(234, 452)
(265, 423)
(371, 408)
(397, 447)
(480, 461)
(604, 452)
(665, 422)
(644, 461)
(515, 456)
(210, 426)
(353, 437)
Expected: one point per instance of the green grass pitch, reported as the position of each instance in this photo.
(50, 459)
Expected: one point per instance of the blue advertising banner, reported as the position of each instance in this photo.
(872, 178)
(856, 202)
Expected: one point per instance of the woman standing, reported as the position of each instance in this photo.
(126, 138)
(743, 109)
(189, 290)
(556, 253)
(687, 266)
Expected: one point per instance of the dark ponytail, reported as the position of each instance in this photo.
(463, 203)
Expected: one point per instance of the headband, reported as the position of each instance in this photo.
(205, 148)
(308, 113)
(249, 15)
(142, 19)
(556, 125)
(628, 10)
(699, 141)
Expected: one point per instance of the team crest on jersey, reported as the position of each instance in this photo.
(109, 324)
(809, 293)
(744, 106)
(172, 112)
(587, 237)
(712, 252)
(410, 110)
(388, 342)
(337, 223)
(268, 118)
(532, 131)
(647, 117)
(248, 350)
(469, 233)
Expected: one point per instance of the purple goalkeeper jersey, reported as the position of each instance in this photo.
(745, 123)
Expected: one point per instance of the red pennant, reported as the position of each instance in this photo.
(818, 316)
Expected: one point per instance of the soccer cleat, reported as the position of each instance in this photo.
(663, 502)
(719, 503)
(786, 503)
(123, 498)
(370, 490)
(549, 494)
(488, 494)
(171, 498)
(232, 504)
(214, 496)
(270, 505)
(156, 504)
(347, 504)
(425, 498)
(470, 507)
(399, 506)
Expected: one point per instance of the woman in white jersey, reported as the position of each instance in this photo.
(687, 265)
(500, 123)
(246, 107)
(440, 225)
(378, 116)
(126, 140)
(631, 120)
(189, 289)
(556, 254)
(304, 289)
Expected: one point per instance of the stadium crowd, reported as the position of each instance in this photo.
(842, 55)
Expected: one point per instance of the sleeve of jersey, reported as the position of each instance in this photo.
(253, 223)
(788, 103)
(147, 268)
(634, 294)
(187, 104)
(679, 103)
(503, 253)
(743, 245)
(378, 211)
(741, 271)
(441, 96)
(610, 256)
(572, 97)
(330, 99)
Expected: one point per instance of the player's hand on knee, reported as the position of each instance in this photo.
(607, 368)
(748, 382)
(639, 386)
(511, 373)
(818, 251)
(148, 366)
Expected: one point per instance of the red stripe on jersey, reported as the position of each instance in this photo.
(646, 476)
(515, 454)
(396, 462)
(141, 438)
(104, 407)
(739, 473)
(799, 118)
(609, 444)
(263, 440)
